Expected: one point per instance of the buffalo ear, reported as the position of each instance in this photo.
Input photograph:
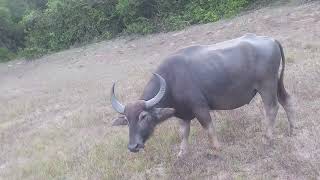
(120, 121)
(163, 113)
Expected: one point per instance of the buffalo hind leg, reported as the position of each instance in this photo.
(270, 102)
(286, 102)
(203, 116)
(184, 133)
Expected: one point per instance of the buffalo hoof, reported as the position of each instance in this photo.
(292, 131)
(216, 147)
(267, 140)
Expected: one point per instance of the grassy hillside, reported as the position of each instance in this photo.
(56, 116)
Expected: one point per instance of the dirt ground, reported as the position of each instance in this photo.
(55, 113)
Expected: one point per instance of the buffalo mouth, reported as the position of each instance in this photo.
(136, 148)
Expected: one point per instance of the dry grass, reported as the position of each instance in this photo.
(55, 115)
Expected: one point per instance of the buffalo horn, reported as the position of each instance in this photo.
(115, 103)
(152, 102)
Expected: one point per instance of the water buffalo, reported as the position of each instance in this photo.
(194, 80)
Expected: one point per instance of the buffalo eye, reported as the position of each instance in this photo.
(143, 115)
(143, 118)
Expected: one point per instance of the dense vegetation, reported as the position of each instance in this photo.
(34, 27)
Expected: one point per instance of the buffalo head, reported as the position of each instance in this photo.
(141, 116)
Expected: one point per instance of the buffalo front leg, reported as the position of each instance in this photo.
(184, 133)
(212, 135)
(203, 116)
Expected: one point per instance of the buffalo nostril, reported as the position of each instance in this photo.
(133, 147)
(140, 146)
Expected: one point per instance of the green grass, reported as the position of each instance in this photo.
(109, 159)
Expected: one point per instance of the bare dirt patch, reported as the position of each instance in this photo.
(55, 114)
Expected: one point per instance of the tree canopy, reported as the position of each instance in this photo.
(32, 28)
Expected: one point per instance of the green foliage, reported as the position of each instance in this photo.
(36, 4)
(33, 52)
(5, 55)
(203, 11)
(198, 13)
(16, 8)
(140, 26)
(66, 23)
(41, 26)
(11, 34)
(174, 22)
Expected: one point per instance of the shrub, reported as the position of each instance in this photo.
(11, 34)
(5, 55)
(204, 11)
(66, 23)
(140, 26)
(174, 22)
(42, 26)
(32, 52)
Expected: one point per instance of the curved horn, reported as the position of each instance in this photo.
(115, 103)
(152, 102)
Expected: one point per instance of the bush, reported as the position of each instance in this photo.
(204, 11)
(141, 26)
(66, 23)
(5, 55)
(198, 13)
(11, 34)
(31, 53)
(42, 26)
(174, 22)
